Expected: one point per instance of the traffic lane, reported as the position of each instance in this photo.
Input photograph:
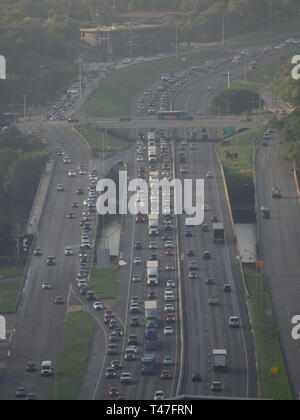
(247, 358)
(36, 310)
(281, 260)
(220, 259)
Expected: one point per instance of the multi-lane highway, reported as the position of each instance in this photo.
(40, 324)
(279, 238)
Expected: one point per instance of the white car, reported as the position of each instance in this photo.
(169, 307)
(171, 283)
(68, 251)
(72, 174)
(168, 330)
(126, 378)
(137, 261)
(210, 175)
(159, 395)
(234, 322)
(98, 306)
(60, 188)
(168, 361)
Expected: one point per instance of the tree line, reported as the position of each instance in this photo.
(22, 161)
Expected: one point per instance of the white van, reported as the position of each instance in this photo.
(47, 368)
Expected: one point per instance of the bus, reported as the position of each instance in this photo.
(174, 115)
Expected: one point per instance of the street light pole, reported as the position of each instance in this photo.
(270, 13)
(176, 41)
(223, 31)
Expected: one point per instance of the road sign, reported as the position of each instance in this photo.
(229, 131)
(274, 370)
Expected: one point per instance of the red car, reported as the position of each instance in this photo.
(210, 281)
(165, 374)
(113, 392)
(204, 228)
(111, 350)
(214, 219)
(170, 318)
(169, 252)
(59, 300)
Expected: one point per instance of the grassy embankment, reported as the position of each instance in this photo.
(75, 351)
(10, 284)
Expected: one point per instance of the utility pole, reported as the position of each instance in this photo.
(223, 31)
(18, 243)
(176, 41)
(80, 82)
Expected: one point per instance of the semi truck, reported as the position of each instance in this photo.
(151, 311)
(152, 273)
(148, 364)
(219, 233)
(220, 360)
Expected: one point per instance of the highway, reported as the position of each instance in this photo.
(281, 260)
(40, 324)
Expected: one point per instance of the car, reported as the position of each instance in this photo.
(152, 295)
(116, 364)
(159, 395)
(111, 350)
(169, 252)
(210, 281)
(110, 373)
(136, 279)
(165, 374)
(210, 175)
(170, 267)
(171, 283)
(38, 252)
(206, 255)
(31, 397)
(71, 216)
(68, 251)
(126, 378)
(113, 392)
(213, 301)
(153, 245)
(234, 322)
(168, 361)
(168, 330)
(60, 188)
(169, 307)
(113, 337)
(71, 174)
(98, 306)
(214, 219)
(170, 318)
(216, 387)
(46, 285)
(118, 331)
(138, 245)
(51, 261)
(90, 296)
(204, 228)
(193, 275)
(31, 367)
(134, 322)
(196, 377)
(80, 191)
(74, 205)
(227, 288)
(133, 340)
(190, 253)
(21, 392)
(137, 261)
(188, 234)
(58, 300)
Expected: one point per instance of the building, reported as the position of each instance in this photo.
(122, 40)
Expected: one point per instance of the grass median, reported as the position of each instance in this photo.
(76, 346)
(104, 282)
(257, 79)
(104, 143)
(268, 349)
